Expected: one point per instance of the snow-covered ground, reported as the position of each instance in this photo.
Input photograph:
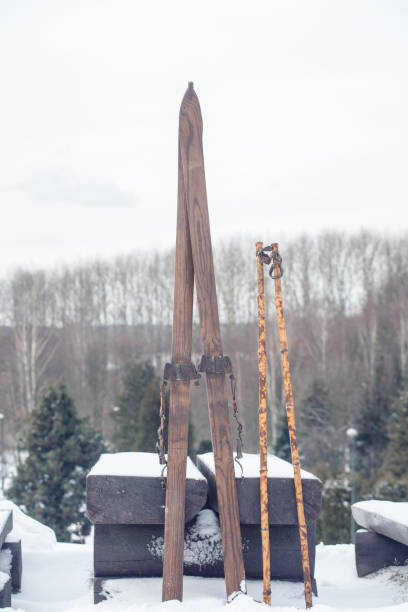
(60, 579)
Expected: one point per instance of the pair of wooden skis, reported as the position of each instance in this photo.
(194, 263)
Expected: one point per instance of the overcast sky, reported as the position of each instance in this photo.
(305, 109)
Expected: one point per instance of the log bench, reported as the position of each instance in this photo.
(126, 489)
(281, 491)
(125, 501)
(384, 539)
(137, 550)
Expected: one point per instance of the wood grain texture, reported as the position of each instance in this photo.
(179, 406)
(130, 500)
(281, 498)
(192, 161)
(263, 427)
(126, 550)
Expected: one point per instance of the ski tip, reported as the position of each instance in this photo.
(190, 104)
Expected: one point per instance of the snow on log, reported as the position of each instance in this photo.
(137, 550)
(5, 590)
(126, 489)
(374, 552)
(281, 490)
(6, 525)
(33, 534)
(16, 570)
(387, 518)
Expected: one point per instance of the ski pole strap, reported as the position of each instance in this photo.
(274, 259)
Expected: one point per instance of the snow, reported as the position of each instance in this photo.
(5, 560)
(4, 577)
(277, 468)
(395, 511)
(136, 464)
(4, 516)
(33, 534)
(385, 517)
(202, 541)
(60, 580)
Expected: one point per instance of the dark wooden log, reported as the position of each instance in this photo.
(374, 551)
(16, 563)
(387, 518)
(136, 499)
(281, 497)
(192, 162)
(137, 550)
(5, 595)
(6, 525)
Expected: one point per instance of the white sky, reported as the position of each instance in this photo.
(305, 108)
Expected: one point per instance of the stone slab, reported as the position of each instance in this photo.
(137, 550)
(281, 497)
(374, 552)
(6, 525)
(387, 518)
(16, 563)
(127, 500)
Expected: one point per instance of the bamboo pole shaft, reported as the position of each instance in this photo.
(263, 430)
(290, 411)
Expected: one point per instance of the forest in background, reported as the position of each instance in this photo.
(346, 306)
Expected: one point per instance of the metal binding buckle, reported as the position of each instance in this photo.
(218, 364)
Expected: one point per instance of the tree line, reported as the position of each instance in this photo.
(345, 299)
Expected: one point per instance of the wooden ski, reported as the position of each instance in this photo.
(179, 406)
(192, 205)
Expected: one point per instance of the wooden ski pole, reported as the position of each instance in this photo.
(276, 270)
(263, 429)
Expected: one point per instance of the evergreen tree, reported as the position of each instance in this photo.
(149, 418)
(61, 448)
(372, 439)
(333, 526)
(138, 417)
(396, 457)
(282, 444)
(137, 380)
